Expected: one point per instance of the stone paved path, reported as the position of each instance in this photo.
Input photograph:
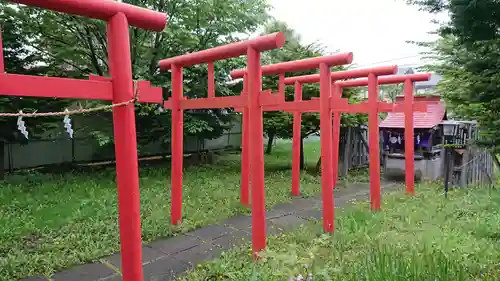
(165, 259)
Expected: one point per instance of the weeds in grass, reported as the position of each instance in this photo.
(52, 221)
(357, 175)
(425, 237)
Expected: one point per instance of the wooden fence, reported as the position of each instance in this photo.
(471, 165)
(353, 151)
(478, 168)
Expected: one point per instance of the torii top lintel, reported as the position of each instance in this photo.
(104, 10)
(261, 44)
(395, 79)
(348, 74)
(299, 65)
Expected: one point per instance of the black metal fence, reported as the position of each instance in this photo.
(39, 153)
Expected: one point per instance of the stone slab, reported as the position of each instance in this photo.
(175, 244)
(86, 272)
(34, 278)
(238, 222)
(300, 203)
(148, 255)
(198, 254)
(288, 222)
(235, 239)
(310, 214)
(211, 232)
(271, 228)
(116, 277)
(281, 209)
(165, 269)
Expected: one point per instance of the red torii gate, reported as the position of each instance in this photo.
(333, 103)
(299, 106)
(408, 107)
(266, 99)
(298, 81)
(372, 107)
(325, 105)
(273, 69)
(254, 101)
(311, 105)
(119, 90)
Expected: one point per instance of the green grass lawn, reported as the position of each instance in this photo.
(426, 237)
(50, 222)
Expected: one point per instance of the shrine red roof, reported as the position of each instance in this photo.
(423, 120)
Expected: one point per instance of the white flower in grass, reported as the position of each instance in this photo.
(301, 278)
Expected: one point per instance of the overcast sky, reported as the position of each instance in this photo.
(376, 31)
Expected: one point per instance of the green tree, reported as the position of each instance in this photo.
(391, 91)
(79, 45)
(19, 59)
(280, 124)
(467, 54)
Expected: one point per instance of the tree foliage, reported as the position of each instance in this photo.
(390, 92)
(75, 46)
(467, 54)
(19, 59)
(280, 124)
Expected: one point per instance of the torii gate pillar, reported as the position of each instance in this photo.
(127, 174)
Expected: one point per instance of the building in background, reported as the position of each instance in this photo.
(428, 87)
